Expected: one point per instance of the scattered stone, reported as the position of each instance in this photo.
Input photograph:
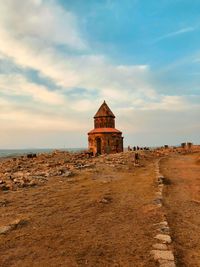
(34, 170)
(157, 201)
(67, 174)
(3, 203)
(106, 200)
(5, 229)
(106, 181)
(31, 169)
(164, 238)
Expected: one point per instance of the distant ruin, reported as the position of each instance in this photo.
(104, 138)
(187, 145)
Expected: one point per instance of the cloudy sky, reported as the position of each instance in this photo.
(59, 59)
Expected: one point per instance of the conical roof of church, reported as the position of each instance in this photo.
(104, 111)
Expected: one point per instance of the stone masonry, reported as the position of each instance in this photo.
(105, 138)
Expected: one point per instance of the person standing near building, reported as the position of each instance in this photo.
(136, 158)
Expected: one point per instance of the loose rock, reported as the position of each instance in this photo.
(5, 229)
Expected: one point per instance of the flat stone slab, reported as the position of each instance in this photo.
(159, 194)
(157, 201)
(164, 238)
(164, 263)
(163, 223)
(162, 255)
(160, 246)
(12, 226)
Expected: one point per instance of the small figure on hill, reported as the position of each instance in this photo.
(136, 158)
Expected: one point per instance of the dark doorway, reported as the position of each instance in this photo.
(108, 147)
(117, 145)
(98, 143)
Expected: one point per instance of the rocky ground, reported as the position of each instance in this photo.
(64, 209)
(24, 172)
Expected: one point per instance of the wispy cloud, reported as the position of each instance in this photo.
(176, 33)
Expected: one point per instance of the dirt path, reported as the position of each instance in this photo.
(102, 217)
(182, 201)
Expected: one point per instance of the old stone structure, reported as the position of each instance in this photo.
(104, 138)
(187, 145)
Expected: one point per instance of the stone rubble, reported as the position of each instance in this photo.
(31, 169)
(26, 171)
(4, 203)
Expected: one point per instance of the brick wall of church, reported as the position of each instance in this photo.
(105, 143)
(104, 122)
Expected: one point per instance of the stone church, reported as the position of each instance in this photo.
(104, 138)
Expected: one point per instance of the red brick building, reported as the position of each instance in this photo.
(104, 138)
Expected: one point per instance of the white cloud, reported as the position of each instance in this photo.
(21, 120)
(175, 103)
(16, 84)
(14, 117)
(40, 21)
(30, 41)
(175, 33)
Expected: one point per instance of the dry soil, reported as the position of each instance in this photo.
(99, 217)
(182, 202)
